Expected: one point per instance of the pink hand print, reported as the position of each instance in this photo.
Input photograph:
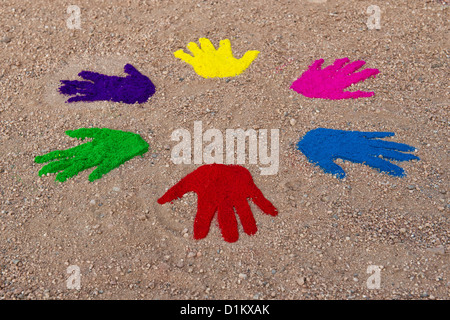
(330, 82)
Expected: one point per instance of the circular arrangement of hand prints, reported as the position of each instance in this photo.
(314, 133)
(321, 146)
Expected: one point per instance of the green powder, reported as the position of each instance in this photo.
(107, 150)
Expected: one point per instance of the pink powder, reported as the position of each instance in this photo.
(330, 82)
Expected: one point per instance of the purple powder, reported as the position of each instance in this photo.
(99, 87)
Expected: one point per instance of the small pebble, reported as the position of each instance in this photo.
(242, 276)
(180, 264)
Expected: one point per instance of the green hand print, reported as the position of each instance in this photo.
(107, 150)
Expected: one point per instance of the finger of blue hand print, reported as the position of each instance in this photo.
(391, 145)
(394, 155)
(330, 167)
(371, 135)
(384, 166)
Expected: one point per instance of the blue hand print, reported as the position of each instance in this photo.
(322, 146)
(130, 89)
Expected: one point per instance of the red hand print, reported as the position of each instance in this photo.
(221, 188)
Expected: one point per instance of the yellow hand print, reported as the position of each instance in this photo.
(211, 63)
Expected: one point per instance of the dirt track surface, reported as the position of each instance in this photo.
(328, 231)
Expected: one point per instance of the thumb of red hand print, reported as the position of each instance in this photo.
(225, 189)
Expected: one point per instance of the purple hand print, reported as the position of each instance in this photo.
(330, 82)
(130, 89)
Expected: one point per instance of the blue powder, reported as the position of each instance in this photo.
(322, 146)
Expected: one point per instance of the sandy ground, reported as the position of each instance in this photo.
(328, 231)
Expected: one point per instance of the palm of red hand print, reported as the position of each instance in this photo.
(221, 188)
(330, 82)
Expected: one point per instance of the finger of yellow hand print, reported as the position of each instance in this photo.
(211, 63)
